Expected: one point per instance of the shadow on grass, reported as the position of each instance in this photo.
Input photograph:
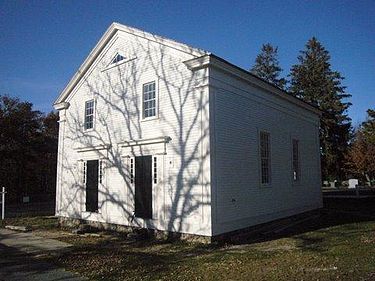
(336, 212)
(135, 260)
(18, 265)
(116, 256)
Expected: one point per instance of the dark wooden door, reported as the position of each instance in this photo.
(92, 185)
(143, 187)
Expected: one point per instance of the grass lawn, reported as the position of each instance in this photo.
(36, 223)
(340, 245)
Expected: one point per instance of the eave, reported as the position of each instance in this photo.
(96, 51)
(211, 60)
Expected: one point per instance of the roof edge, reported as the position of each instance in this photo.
(107, 36)
(86, 63)
(211, 60)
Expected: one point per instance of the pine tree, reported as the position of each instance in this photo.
(267, 66)
(315, 82)
(369, 126)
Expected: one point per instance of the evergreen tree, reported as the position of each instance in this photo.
(369, 126)
(313, 81)
(267, 66)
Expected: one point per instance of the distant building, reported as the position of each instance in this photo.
(157, 134)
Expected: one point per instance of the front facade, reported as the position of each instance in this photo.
(156, 134)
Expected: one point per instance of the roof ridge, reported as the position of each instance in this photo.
(106, 37)
(156, 36)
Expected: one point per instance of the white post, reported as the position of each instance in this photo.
(3, 203)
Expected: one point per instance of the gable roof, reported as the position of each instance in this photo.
(240, 73)
(202, 59)
(111, 31)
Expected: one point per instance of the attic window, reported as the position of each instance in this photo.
(117, 58)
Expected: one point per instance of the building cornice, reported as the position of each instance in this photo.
(93, 148)
(61, 106)
(213, 61)
(128, 143)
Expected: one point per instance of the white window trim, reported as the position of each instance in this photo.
(101, 172)
(115, 56)
(298, 180)
(84, 181)
(131, 170)
(143, 119)
(269, 184)
(154, 214)
(94, 116)
(155, 170)
(112, 65)
(84, 172)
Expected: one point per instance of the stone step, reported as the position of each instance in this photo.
(18, 228)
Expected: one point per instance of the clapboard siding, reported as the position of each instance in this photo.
(208, 177)
(179, 197)
(241, 111)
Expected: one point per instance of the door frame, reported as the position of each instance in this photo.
(147, 213)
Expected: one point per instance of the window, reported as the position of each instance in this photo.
(296, 164)
(92, 185)
(117, 58)
(131, 170)
(84, 171)
(265, 158)
(155, 171)
(100, 171)
(89, 114)
(149, 100)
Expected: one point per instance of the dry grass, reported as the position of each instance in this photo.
(344, 252)
(338, 246)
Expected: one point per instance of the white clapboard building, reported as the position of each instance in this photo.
(157, 134)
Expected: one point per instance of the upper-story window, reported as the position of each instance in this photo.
(296, 164)
(117, 58)
(89, 114)
(149, 100)
(265, 157)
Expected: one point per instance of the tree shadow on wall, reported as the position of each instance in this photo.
(182, 189)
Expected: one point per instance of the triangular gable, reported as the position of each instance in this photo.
(108, 35)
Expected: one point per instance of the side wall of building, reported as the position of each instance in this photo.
(239, 113)
(181, 190)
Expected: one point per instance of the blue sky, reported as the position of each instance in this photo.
(42, 43)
